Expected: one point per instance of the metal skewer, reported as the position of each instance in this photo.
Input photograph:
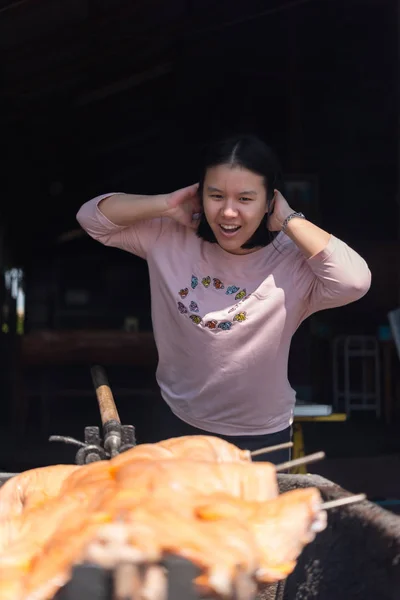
(268, 449)
(343, 501)
(300, 461)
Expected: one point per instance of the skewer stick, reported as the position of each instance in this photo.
(126, 581)
(245, 587)
(343, 501)
(154, 584)
(300, 461)
(271, 449)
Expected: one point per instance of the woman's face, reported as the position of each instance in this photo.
(234, 201)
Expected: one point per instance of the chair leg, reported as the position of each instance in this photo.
(298, 449)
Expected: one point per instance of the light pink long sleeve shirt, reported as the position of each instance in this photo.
(223, 323)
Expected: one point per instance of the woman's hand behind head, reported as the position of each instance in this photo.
(183, 205)
(280, 209)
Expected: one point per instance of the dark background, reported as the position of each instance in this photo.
(113, 95)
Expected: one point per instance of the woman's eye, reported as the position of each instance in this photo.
(244, 199)
(216, 196)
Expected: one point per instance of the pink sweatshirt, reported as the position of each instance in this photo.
(223, 323)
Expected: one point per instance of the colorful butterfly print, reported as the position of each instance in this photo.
(196, 319)
(206, 281)
(232, 289)
(240, 295)
(211, 324)
(183, 293)
(195, 282)
(225, 325)
(182, 308)
(218, 284)
(193, 307)
(240, 317)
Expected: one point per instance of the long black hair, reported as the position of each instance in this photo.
(249, 152)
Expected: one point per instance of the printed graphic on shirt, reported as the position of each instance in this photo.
(240, 317)
(232, 290)
(218, 284)
(240, 295)
(182, 308)
(196, 319)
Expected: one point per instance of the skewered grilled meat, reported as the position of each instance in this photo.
(32, 488)
(198, 447)
(223, 513)
(90, 475)
(281, 526)
(205, 447)
(264, 541)
(250, 481)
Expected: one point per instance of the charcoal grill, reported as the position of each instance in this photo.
(357, 557)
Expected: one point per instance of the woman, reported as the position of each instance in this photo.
(234, 271)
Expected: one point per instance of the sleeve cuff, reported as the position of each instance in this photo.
(106, 223)
(324, 254)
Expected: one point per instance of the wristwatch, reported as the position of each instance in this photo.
(293, 215)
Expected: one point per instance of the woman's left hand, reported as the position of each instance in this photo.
(280, 209)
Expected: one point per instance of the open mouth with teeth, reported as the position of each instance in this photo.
(229, 229)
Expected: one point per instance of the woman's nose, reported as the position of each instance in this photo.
(228, 210)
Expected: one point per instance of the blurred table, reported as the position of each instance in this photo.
(310, 413)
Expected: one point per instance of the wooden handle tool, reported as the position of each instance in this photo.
(111, 422)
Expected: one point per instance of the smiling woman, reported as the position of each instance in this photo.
(225, 300)
(237, 182)
(234, 213)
